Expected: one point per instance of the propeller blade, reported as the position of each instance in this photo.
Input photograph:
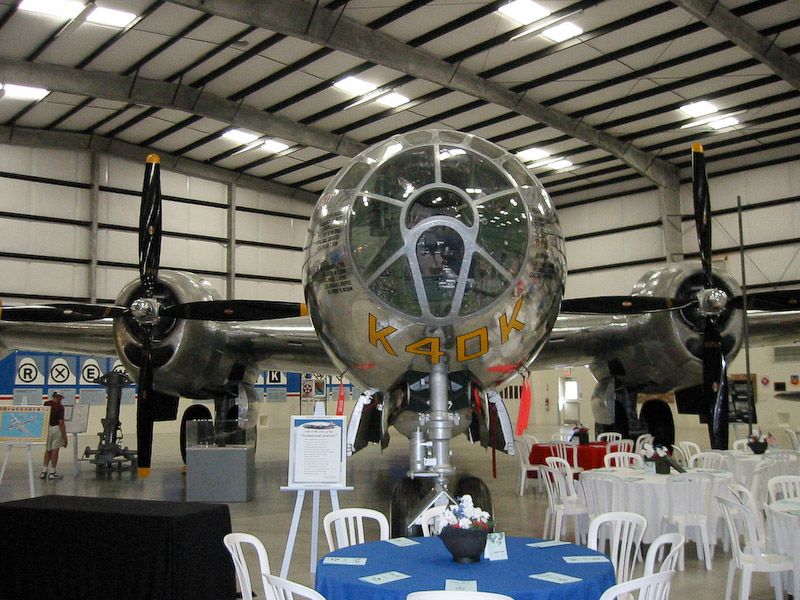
(150, 225)
(60, 313)
(778, 300)
(235, 310)
(623, 304)
(702, 209)
(145, 409)
(715, 403)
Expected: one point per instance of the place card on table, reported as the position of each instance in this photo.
(344, 560)
(496, 547)
(585, 559)
(402, 541)
(457, 585)
(547, 544)
(555, 577)
(381, 578)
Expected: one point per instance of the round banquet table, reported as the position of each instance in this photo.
(743, 463)
(429, 565)
(590, 456)
(783, 536)
(646, 494)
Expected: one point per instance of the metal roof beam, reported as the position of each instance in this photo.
(39, 138)
(150, 92)
(714, 14)
(321, 26)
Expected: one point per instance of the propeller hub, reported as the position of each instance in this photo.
(145, 311)
(712, 302)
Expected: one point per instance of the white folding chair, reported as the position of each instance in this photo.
(455, 595)
(622, 445)
(707, 460)
(623, 459)
(651, 587)
(234, 542)
(753, 560)
(784, 462)
(679, 457)
(428, 517)
(603, 492)
(561, 437)
(349, 526)
(523, 453)
(560, 505)
(741, 445)
(792, 435)
(689, 448)
(609, 436)
(283, 589)
(783, 487)
(569, 452)
(643, 439)
(673, 541)
(748, 500)
(625, 539)
(689, 502)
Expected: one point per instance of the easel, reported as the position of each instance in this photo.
(30, 462)
(298, 508)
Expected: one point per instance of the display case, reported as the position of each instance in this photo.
(220, 461)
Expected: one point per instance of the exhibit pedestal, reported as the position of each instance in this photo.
(220, 474)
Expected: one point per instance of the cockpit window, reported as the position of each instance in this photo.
(395, 286)
(504, 231)
(439, 202)
(440, 252)
(470, 172)
(402, 174)
(374, 233)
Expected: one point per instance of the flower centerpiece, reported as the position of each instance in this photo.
(658, 455)
(463, 529)
(581, 433)
(758, 441)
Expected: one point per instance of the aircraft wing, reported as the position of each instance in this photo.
(94, 338)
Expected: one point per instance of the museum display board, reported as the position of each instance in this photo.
(101, 548)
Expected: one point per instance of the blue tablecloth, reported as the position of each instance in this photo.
(429, 565)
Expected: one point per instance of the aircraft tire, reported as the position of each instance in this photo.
(475, 487)
(193, 413)
(406, 495)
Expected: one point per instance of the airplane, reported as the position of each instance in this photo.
(434, 272)
(18, 424)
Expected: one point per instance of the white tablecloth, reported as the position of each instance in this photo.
(646, 494)
(743, 462)
(783, 536)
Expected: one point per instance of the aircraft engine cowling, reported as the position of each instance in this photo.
(667, 352)
(433, 247)
(187, 354)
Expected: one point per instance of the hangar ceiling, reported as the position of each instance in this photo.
(605, 103)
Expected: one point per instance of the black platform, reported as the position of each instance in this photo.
(71, 547)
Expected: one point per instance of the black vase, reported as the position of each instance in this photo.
(662, 466)
(466, 545)
(758, 447)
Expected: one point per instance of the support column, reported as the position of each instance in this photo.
(231, 258)
(94, 203)
(671, 227)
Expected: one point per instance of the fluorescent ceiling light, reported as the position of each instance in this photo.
(560, 164)
(354, 85)
(523, 12)
(543, 163)
(392, 100)
(724, 122)
(699, 109)
(713, 118)
(24, 92)
(65, 9)
(239, 136)
(562, 32)
(274, 146)
(109, 16)
(532, 154)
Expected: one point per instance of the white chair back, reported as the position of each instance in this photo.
(427, 519)
(523, 453)
(679, 457)
(756, 480)
(783, 487)
(234, 542)
(689, 448)
(689, 504)
(643, 439)
(609, 436)
(603, 492)
(560, 504)
(561, 437)
(623, 459)
(792, 435)
(569, 452)
(622, 445)
(741, 445)
(707, 460)
(349, 526)
(785, 462)
(625, 539)
(673, 541)
(651, 587)
(748, 500)
(283, 589)
(455, 595)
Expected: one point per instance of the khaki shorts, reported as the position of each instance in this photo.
(55, 439)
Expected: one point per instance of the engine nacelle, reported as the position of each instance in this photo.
(188, 360)
(666, 353)
(434, 247)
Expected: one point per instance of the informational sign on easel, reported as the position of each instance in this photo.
(23, 426)
(317, 462)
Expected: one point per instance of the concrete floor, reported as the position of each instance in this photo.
(370, 472)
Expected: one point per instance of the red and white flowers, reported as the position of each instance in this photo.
(465, 515)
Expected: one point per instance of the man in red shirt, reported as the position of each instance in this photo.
(56, 437)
